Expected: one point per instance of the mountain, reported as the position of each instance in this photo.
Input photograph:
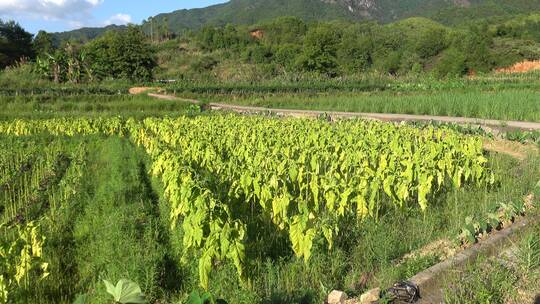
(254, 11)
(450, 12)
(84, 34)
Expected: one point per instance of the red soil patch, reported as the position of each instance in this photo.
(257, 34)
(140, 90)
(521, 67)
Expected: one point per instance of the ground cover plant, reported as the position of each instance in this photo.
(119, 209)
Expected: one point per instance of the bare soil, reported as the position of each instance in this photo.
(141, 90)
(520, 67)
(511, 148)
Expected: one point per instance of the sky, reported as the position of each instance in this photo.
(64, 15)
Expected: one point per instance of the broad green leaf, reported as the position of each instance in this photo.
(125, 292)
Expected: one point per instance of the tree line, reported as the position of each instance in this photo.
(124, 54)
(283, 45)
(415, 45)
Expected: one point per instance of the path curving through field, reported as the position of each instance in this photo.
(500, 125)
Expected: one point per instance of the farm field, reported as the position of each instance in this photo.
(236, 205)
(269, 152)
(506, 104)
(502, 97)
(89, 105)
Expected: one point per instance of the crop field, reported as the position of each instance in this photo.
(100, 186)
(501, 97)
(270, 152)
(252, 209)
(506, 104)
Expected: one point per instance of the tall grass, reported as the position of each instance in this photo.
(46, 106)
(505, 105)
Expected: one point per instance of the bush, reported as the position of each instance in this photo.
(391, 63)
(452, 63)
(286, 55)
(204, 64)
(258, 54)
(354, 53)
(320, 50)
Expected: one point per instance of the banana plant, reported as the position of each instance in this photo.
(43, 66)
(83, 56)
(57, 66)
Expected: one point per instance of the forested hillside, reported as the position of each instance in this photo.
(289, 47)
(448, 12)
(383, 11)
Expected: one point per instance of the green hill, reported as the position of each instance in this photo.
(84, 34)
(384, 11)
(449, 12)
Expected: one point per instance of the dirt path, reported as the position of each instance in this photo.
(495, 124)
(511, 148)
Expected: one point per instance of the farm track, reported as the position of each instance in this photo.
(499, 125)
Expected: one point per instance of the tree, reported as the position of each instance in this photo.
(284, 30)
(286, 55)
(122, 54)
(15, 43)
(475, 45)
(43, 43)
(355, 50)
(320, 50)
(430, 43)
(452, 63)
(164, 29)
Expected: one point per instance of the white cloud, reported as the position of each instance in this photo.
(119, 19)
(48, 9)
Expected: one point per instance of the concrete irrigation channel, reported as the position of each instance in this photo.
(431, 282)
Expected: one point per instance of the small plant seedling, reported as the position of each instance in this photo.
(125, 292)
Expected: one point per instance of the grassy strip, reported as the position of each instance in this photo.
(118, 235)
(40, 107)
(66, 206)
(503, 105)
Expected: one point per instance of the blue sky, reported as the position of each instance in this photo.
(62, 15)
